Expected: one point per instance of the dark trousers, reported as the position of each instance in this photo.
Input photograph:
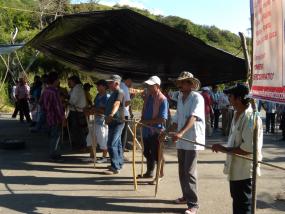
(17, 109)
(124, 137)
(282, 124)
(270, 122)
(217, 114)
(150, 152)
(187, 167)
(114, 144)
(241, 195)
(24, 110)
(78, 129)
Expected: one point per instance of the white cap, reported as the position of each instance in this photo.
(153, 80)
(205, 89)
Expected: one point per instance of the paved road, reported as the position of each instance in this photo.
(31, 184)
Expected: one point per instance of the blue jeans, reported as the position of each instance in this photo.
(41, 120)
(115, 145)
(54, 150)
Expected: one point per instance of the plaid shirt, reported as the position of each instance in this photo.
(50, 101)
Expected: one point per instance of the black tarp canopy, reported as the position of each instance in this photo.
(125, 42)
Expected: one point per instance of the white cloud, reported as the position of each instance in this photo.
(107, 3)
(156, 11)
(132, 3)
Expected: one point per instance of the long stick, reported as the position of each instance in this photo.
(209, 147)
(142, 149)
(132, 133)
(69, 136)
(249, 68)
(134, 155)
(159, 165)
(93, 142)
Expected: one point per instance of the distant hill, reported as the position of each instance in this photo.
(29, 23)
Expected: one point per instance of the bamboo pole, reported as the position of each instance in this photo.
(142, 149)
(132, 133)
(134, 155)
(93, 140)
(249, 66)
(159, 165)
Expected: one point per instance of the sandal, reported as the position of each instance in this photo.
(153, 182)
(192, 210)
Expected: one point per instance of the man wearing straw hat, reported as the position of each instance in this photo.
(240, 142)
(189, 122)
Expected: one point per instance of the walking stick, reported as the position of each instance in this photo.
(159, 164)
(142, 149)
(134, 151)
(66, 113)
(62, 130)
(132, 133)
(93, 140)
(68, 133)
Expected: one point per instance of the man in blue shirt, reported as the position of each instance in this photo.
(155, 114)
(114, 114)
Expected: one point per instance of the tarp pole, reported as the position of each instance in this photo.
(255, 131)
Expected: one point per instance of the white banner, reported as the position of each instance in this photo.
(268, 50)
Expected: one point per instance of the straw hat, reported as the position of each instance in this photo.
(185, 75)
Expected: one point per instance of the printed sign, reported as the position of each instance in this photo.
(268, 50)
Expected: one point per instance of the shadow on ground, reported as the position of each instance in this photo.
(32, 201)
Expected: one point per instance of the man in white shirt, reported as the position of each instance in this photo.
(125, 85)
(189, 122)
(240, 142)
(76, 118)
(216, 106)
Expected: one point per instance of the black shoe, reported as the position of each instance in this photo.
(55, 158)
(33, 124)
(145, 175)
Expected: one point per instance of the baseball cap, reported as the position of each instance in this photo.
(87, 85)
(239, 90)
(114, 78)
(102, 82)
(153, 80)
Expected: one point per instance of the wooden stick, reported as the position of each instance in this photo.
(93, 142)
(62, 130)
(159, 165)
(68, 133)
(132, 133)
(134, 155)
(142, 149)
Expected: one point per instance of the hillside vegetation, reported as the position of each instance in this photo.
(39, 13)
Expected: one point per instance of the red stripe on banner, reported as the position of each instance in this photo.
(276, 94)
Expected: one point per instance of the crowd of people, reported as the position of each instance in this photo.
(197, 115)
